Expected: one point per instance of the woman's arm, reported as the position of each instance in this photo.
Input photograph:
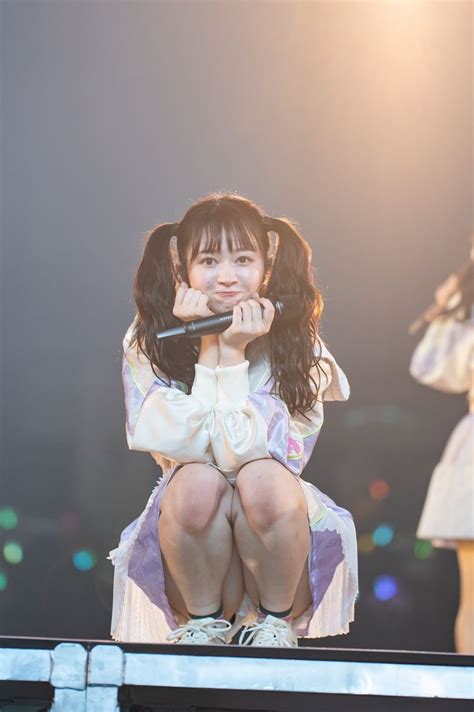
(209, 351)
(162, 418)
(441, 359)
(249, 426)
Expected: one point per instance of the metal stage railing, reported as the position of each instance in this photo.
(102, 676)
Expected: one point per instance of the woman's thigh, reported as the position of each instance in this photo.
(238, 579)
(233, 587)
(288, 487)
(303, 596)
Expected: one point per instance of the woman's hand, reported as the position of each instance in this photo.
(248, 323)
(191, 304)
(446, 290)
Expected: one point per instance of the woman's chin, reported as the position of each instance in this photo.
(219, 306)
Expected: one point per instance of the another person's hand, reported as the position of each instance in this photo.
(191, 303)
(248, 323)
(446, 290)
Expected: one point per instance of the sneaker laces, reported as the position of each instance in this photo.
(201, 630)
(269, 634)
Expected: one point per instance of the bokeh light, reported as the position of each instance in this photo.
(13, 552)
(365, 543)
(423, 549)
(378, 490)
(8, 518)
(385, 587)
(84, 559)
(3, 580)
(383, 535)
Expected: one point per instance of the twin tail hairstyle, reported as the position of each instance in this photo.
(293, 348)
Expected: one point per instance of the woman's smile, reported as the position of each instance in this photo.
(225, 295)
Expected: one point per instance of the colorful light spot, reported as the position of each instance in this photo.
(13, 552)
(378, 490)
(385, 588)
(423, 549)
(8, 518)
(383, 535)
(355, 417)
(84, 560)
(365, 543)
(3, 580)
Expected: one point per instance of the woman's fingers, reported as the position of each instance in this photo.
(181, 293)
(268, 312)
(190, 303)
(251, 321)
(256, 311)
(237, 317)
(203, 305)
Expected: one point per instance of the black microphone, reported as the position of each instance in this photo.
(286, 307)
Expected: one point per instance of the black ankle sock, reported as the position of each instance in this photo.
(277, 614)
(217, 614)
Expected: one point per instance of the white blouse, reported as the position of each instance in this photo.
(227, 420)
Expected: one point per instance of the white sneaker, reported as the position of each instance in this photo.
(271, 633)
(201, 631)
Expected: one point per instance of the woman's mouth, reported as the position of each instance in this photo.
(227, 294)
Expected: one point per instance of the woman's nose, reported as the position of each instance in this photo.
(227, 274)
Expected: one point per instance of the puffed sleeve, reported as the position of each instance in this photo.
(161, 418)
(444, 356)
(250, 426)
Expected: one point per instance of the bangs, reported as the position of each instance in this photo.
(208, 237)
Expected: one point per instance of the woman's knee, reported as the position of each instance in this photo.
(194, 496)
(268, 493)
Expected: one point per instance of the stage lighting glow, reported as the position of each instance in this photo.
(84, 560)
(385, 588)
(378, 490)
(8, 518)
(423, 549)
(355, 417)
(3, 580)
(365, 543)
(13, 552)
(383, 535)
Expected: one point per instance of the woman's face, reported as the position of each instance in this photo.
(227, 277)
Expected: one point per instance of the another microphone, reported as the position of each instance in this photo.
(286, 307)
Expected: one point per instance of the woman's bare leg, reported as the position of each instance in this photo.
(272, 534)
(464, 627)
(196, 540)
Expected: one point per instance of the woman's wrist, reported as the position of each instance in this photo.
(209, 351)
(230, 355)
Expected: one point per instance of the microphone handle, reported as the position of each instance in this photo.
(208, 325)
(217, 323)
(214, 324)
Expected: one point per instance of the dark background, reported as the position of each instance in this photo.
(354, 119)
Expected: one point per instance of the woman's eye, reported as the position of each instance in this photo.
(207, 261)
(247, 259)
